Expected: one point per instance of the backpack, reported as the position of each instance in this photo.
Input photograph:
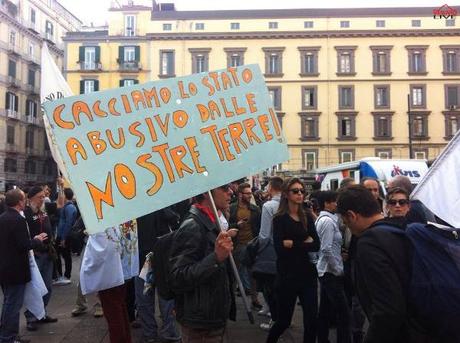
(161, 264)
(434, 290)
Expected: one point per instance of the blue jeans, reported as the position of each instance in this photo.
(45, 265)
(333, 301)
(13, 299)
(146, 313)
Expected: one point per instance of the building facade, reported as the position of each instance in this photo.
(25, 157)
(346, 83)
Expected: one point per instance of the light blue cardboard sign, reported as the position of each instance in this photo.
(134, 150)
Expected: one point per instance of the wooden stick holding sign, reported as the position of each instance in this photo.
(232, 262)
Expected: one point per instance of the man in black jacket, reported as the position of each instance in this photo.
(381, 268)
(38, 222)
(200, 272)
(14, 262)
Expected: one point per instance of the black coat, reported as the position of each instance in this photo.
(15, 244)
(202, 285)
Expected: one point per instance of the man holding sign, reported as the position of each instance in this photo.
(200, 272)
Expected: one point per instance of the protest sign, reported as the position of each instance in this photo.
(133, 150)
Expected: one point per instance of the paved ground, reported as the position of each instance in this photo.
(87, 329)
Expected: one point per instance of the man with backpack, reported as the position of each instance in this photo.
(200, 273)
(381, 268)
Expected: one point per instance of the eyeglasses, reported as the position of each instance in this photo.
(401, 202)
(297, 190)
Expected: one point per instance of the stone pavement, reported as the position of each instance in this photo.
(87, 329)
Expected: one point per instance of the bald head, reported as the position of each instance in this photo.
(401, 181)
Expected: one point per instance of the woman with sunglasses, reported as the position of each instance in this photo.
(296, 274)
(397, 205)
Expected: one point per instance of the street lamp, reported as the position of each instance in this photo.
(409, 123)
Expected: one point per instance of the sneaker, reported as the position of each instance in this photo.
(77, 311)
(265, 311)
(256, 306)
(98, 312)
(62, 281)
(266, 326)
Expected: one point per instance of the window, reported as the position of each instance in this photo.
(416, 23)
(309, 125)
(167, 63)
(32, 16)
(234, 26)
(199, 26)
(382, 96)
(31, 108)
(49, 30)
(382, 125)
(273, 62)
(32, 50)
(128, 57)
(11, 102)
(200, 59)
(12, 40)
(31, 77)
(310, 159)
(421, 154)
(308, 24)
(30, 138)
(30, 167)
(418, 96)
(346, 155)
(417, 59)
(345, 60)
(12, 68)
(451, 59)
(11, 165)
(10, 134)
(275, 95)
(452, 96)
(235, 56)
(89, 57)
(383, 153)
(380, 23)
(346, 97)
(129, 54)
(450, 22)
(128, 82)
(419, 125)
(346, 124)
(309, 61)
(273, 25)
(309, 97)
(130, 25)
(452, 123)
(381, 60)
(344, 23)
(167, 27)
(88, 86)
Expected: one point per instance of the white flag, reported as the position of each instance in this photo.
(439, 190)
(52, 86)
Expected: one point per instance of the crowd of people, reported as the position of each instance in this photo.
(321, 251)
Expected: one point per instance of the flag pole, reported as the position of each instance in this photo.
(233, 264)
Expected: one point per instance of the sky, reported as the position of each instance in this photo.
(95, 11)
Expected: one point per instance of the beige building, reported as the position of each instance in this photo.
(339, 78)
(25, 157)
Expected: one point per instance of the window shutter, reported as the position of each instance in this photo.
(137, 51)
(121, 54)
(82, 86)
(96, 85)
(7, 100)
(35, 109)
(81, 54)
(16, 103)
(122, 82)
(136, 82)
(98, 54)
(27, 107)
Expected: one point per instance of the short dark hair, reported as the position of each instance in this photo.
(346, 182)
(243, 186)
(358, 199)
(13, 197)
(68, 193)
(364, 179)
(396, 190)
(276, 183)
(325, 196)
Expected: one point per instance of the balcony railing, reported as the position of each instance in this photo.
(93, 66)
(32, 89)
(12, 114)
(12, 147)
(13, 82)
(14, 49)
(32, 59)
(130, 66)
(31, 26)
(32, 120)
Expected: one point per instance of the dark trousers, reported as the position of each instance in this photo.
(266, 283)
(333, 300)
(113, 302)
(13, 299)
(190, 335)
(287, 292)
(66, 255)
(130, 299)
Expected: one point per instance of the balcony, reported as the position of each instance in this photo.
(12, 114)
(90, 66)
(12, 148)
(31, 26)
(32, 120)
(32, 59)
(13, 82)
(130, 66)
(48, 36)
(13, 49)
(32, 151)
(33, 90)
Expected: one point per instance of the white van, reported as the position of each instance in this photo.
(382, 170)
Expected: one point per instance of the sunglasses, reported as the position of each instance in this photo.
(401, 202)
(297, 190)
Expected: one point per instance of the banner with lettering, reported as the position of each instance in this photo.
(133, 150)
